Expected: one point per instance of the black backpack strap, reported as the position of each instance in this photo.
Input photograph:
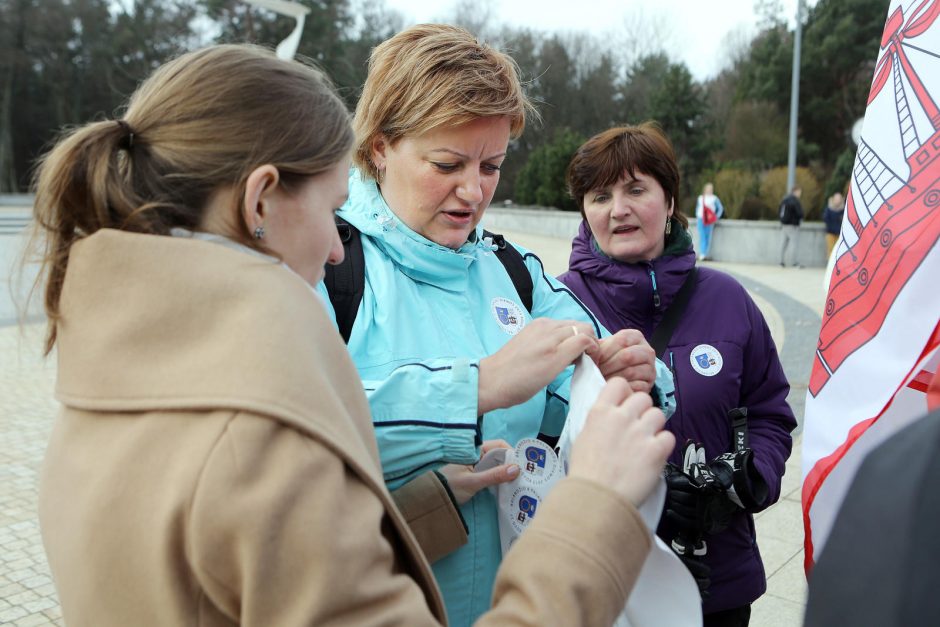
(345, 283)
(670, 320)
(515, 266)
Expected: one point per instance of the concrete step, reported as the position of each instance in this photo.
(12, 221)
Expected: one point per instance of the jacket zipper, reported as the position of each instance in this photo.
(675, 381)
(655, 289)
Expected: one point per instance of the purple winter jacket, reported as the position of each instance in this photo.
(722, 315)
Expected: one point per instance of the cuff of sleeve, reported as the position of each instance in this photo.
(461, 446)
(432, 515)
(659, 399)
(664, 389)
(453, 499)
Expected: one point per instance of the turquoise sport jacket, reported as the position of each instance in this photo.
(428, 315)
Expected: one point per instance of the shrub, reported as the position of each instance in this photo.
(753, 208)
(733, 186)
(773, 189)
(542, 179)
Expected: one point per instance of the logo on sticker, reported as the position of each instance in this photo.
(537, 461)
(522, 507)
(706, 360)
(508, 314)
(536, 456)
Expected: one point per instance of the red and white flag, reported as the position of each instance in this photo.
(878, 345)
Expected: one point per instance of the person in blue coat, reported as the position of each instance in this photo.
(448, 355)
(706, 226)
(832, 217)
(629, 263)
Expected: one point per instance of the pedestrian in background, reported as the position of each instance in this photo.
(708, 210)
(832, 216)
(791, 215)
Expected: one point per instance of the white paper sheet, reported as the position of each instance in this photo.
(665, 593)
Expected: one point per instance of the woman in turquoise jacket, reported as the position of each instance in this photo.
(448, 354)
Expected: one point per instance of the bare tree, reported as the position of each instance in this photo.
(476, 16)
(736, 46)
(769, 13)
(641, 35)
(586, 52)
(11, 45)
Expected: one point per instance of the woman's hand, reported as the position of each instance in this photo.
(623, 445)
(529, 361)
(464, 482)
(627, 354)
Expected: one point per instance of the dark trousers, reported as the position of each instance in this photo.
(736, 617)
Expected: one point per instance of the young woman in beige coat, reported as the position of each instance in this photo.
(214, 461)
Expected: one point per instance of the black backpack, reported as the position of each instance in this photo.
(346, 282)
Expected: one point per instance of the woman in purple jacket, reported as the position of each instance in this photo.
(628, 263)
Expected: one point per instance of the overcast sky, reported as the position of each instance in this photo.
(698, 31)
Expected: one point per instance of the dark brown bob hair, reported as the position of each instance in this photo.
(604, 159)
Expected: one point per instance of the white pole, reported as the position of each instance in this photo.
(794, 96)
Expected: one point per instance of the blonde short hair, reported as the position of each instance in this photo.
(434, 75)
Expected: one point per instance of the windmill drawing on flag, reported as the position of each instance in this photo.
(878, 343)
(893, 213)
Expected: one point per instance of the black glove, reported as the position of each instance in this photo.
(697, 501)
(737, 475)
(685, 504)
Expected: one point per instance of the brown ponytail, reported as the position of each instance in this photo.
(80, 188)
(199, 124)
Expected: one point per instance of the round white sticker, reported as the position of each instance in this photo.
(537, 461)
(508, 315)
(706, 360)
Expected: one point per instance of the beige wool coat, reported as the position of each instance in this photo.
(214, 464)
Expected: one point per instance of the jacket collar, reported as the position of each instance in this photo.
(623, 294)
(171, 323)
(587, 258)
(415, 255)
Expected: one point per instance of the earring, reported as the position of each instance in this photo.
(668, 226)
(259, 232)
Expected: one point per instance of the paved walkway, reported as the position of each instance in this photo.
(27, 596)
(790, 299)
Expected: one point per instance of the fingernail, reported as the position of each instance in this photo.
(513, 470)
